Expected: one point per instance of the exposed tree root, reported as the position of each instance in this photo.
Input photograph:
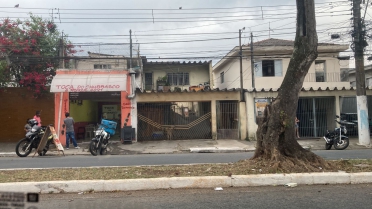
(306, 162)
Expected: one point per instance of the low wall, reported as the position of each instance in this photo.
(18, 104)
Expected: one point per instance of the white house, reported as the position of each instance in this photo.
(319, 99)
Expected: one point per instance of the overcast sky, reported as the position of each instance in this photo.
(153, 21)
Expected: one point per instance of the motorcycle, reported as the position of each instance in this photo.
(338, 137)
(32, 140)
(101, 137)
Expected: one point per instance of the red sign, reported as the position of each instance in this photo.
(87, 88)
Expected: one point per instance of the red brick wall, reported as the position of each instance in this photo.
(16, 105)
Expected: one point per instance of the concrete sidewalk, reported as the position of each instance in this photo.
(179, 146)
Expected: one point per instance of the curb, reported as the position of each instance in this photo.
(88, 186)
(7, 154)
(218, 150)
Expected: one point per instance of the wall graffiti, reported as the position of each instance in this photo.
(127, 105)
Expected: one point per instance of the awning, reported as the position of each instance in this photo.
(89, 83)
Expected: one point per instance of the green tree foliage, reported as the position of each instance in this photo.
(29, 52)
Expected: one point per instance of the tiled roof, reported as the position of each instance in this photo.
(188, 91)
(177, 63)
(304, 89)
(280, 42)
(250, 90)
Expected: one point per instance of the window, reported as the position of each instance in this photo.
(96, 66)
(320, 71)
(353, 83)
(178, 79)
(368, 81)
(268, 68)
(222, 76)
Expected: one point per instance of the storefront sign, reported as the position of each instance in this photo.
(88, 82)
(87, 88)
(109, 108)
(260, 106)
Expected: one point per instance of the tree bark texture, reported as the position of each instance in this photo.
(276, 140)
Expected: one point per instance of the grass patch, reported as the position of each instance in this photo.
(243, 167)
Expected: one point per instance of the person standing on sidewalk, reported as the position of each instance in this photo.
(69, 123)
(296, 127)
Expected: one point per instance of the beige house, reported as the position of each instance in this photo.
(175, 102)
(170, 75)
(319, 99)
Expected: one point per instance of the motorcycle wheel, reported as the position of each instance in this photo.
(94, 147)
(343, 145)
(328, 146)
(21, 148)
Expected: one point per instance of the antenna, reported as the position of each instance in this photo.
(270, 30)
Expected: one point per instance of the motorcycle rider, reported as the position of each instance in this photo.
(27, 126)
(37, 117)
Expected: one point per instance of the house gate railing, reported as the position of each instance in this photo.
(174, 120)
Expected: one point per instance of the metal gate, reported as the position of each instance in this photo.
(316, 115)
(227, 120)
(174, 120)
(349, 113)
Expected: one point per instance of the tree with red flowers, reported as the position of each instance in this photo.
(29, 53)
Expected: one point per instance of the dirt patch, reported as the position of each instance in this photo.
(243, 167)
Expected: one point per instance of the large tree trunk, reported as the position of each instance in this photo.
(276, 142)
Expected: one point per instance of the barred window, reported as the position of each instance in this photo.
(96, 66)
(178, 79)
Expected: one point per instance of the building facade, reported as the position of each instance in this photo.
(323, 86)
(97, 87)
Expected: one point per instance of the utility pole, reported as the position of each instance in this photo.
(359, 44)
(241, 65)
(252, 62)
(130, 61)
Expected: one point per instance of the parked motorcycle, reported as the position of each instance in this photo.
(338, 137)
(32, 140)
(101, 139)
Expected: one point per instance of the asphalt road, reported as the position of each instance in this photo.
(154, 159)
(318, 196)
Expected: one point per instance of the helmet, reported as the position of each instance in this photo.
(32, 122)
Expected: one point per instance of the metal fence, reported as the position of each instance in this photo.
(174, 120)
(316, 115)
(227, 120)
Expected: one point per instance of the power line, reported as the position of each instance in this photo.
(177, 9)
(170, 20)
